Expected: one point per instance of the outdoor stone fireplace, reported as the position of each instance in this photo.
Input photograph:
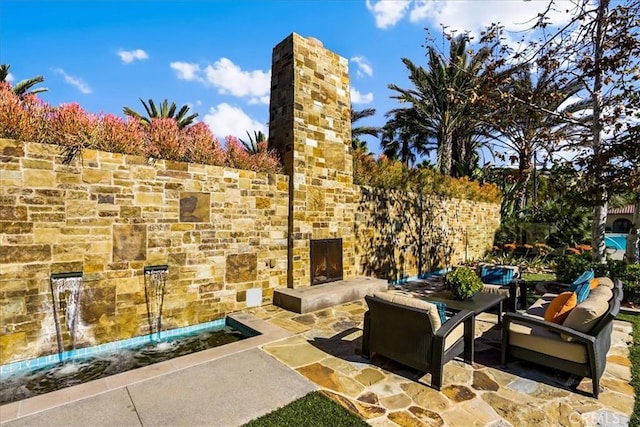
(326, 261)
(310, 126)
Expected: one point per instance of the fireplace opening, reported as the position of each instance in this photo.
(326, 261)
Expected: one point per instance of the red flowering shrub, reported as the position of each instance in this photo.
(201, 146)
(162, 140)
(237, 157)
(30, 119)
(22, 118)
(70, 125)
(119, 136)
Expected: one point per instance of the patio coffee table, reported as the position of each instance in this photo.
(479, 303)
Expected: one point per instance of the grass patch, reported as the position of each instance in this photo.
(314, 409)
(634, 356)
(531, 279)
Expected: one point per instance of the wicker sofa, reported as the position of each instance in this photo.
(578, 346)
(409, 330)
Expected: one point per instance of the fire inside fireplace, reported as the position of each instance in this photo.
(326, 261)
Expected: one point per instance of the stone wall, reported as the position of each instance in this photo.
(221, 232)
(310, 125)
(401, 235)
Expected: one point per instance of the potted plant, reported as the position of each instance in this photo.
(463, 282)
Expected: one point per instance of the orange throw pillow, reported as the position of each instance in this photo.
(560, 307)
(595, 282)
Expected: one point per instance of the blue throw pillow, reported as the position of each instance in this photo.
(587, 276)
(442, 310)
(582, 291)
(496, 275)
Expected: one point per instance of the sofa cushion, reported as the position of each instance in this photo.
(497, 275)
(584, 277)
(455, 335)
(544, 341)
(601, 293)
(497, 289)
(582, 291)
(559, 308)
(430, 308)
(585, 316)
(603, 281)
(442, 310)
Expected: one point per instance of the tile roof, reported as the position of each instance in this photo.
(627, 210)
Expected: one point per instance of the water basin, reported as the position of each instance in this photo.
(22, 380)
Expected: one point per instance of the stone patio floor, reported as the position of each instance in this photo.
(326, 350)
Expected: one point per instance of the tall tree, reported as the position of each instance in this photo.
(404, 135)
(446, 96)
(166, 111)
(600, 47)
(358, 131)
(531, 116)
(23, 87)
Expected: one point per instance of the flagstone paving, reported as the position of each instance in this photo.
(326, 350)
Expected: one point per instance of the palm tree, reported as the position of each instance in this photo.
(251, 146)
(445, 95)
(166, 111)
(22, 88)
(404, 135)
(356, 132)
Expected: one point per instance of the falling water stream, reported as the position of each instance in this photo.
(65, 290)
(155, 280)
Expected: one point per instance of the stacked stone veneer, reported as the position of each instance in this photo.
(227, 236)
(400, 235)
(310, 125)
(222, 233)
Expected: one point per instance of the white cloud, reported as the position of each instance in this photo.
(228, 78)
(462, 16)
(388, 12)
(77, 82)
(10, 78)
(128, 56)
(364, 68)
(474, 16)
(227, 120)
(359, 98)
(186, 71)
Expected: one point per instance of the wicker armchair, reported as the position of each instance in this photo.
(407, 335)
(515, 289)
(529, 337)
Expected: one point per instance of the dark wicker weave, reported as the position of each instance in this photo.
(405, 334)
(597, 342)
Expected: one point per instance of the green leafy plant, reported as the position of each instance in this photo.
(570, 266)
(631, 283)
(463, 282)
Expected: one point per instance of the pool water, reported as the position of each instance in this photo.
(25, 384)
(616, 241)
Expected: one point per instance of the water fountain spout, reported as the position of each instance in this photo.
(155, 280)
(65, 291)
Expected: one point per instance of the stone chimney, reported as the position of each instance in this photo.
(310, 126)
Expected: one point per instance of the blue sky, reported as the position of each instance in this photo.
(216, 55)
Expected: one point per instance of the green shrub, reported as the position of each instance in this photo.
(631, 283)
(463, 282)
(570, 266)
